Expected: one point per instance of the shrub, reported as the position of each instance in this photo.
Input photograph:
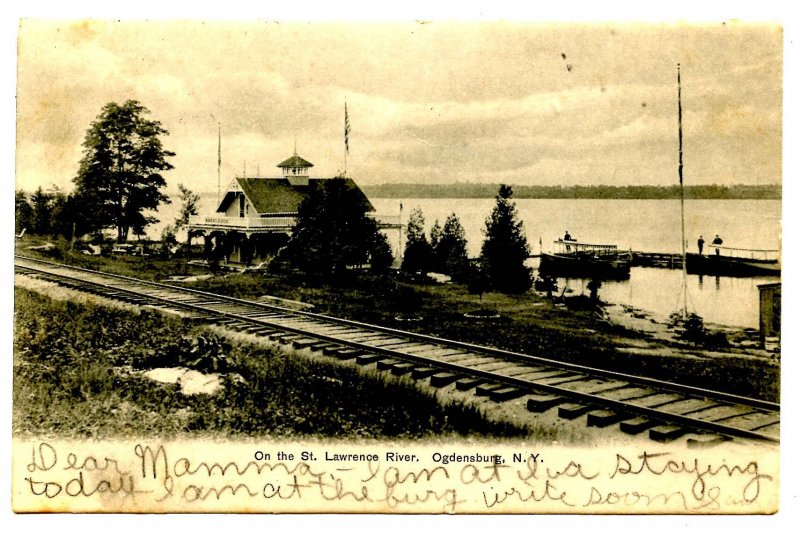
(691, 328)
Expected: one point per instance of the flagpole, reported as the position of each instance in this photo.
(346, 137)
(400, 233)
(219, 159)
(680, 179)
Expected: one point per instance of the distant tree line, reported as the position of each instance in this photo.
(47, 213)
(485, 191)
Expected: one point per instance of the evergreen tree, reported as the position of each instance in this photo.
(505, 248)
(437, 264)
(120, 172)
(451, 249)
(41, 218)
(23, 212)
(333, 231)
(417, 253)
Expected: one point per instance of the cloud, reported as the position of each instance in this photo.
(435, 102)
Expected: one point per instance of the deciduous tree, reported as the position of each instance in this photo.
(41, 203)
(61, 217)
(120, 172)
(189, 208)
(333, 231)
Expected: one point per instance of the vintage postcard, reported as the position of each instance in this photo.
(411, 267)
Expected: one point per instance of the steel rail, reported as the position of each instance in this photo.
(507, 380)
(705, 393)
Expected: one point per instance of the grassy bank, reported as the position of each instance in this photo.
(154, 269)
(530, 323)
(79, 372)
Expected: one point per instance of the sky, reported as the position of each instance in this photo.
(428, 102)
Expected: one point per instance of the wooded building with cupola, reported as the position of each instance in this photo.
(255, 215)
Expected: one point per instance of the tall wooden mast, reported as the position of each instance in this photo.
(219, 159)
(680, 179)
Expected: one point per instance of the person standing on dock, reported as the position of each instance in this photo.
(717, 241)
(700, 244)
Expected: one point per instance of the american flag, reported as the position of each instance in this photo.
(346, 130)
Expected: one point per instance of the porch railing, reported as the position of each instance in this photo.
(387, 221)
(281, 222)
(244, 223)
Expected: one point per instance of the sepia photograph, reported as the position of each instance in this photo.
(418, 267)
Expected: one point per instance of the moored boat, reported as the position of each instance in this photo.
(734, 262)
(577, 259)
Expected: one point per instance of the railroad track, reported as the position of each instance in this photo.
(635, 404)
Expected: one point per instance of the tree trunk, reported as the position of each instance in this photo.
(188, 248)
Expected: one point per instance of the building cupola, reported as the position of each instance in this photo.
(295, 169)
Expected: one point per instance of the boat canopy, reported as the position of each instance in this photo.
(748, 253)
(570, 246)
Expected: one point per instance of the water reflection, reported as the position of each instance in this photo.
(731, 301)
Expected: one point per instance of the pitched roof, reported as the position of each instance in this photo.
(277, 195)
(295, 161)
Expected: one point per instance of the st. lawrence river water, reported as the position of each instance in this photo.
(639, 225)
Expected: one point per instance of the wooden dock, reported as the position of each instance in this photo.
(643, 259)
(647, 259)
(656, 260)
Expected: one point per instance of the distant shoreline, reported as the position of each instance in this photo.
(483, 191)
